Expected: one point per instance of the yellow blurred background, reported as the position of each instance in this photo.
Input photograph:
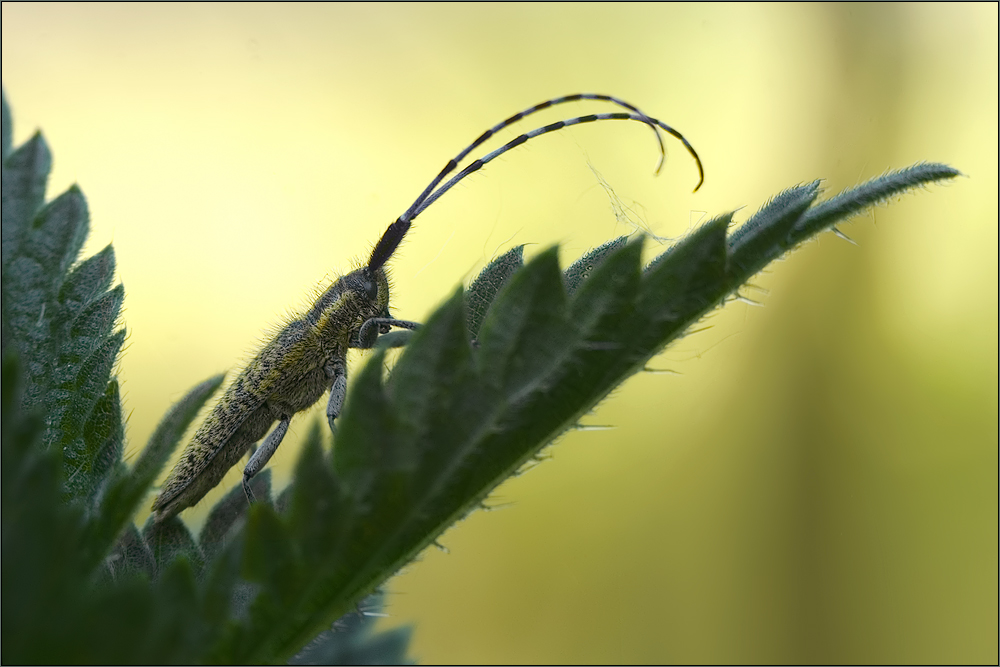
(819, 481)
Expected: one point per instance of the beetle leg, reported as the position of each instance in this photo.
(370, 330)
(336, 369)
(263, 454)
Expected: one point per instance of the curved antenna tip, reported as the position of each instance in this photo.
(701, 172)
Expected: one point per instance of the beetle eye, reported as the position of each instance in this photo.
(370, 289)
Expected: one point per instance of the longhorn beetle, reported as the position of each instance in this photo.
(308, 357)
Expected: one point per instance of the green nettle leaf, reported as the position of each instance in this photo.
(227, 512)
(493, 376)
(583, 267)
(131, 556)
(86, 283)
(170, 539)
(6, 128)
(484, 288)
(93, 324)
(351, 642)
(75, 402)
(88, 468)
(25, 175)
(127, 488)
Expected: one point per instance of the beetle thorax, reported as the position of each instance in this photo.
(348, 303)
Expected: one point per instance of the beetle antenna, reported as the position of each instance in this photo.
(485, 136)
(397, 230)
(554, 127)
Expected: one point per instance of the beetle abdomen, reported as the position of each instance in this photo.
(285, 377)
(185, 487)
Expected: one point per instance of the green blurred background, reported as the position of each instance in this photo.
(819, 481)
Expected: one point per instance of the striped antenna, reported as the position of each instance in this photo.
(554, 127)
(453, 163)
(397, 230)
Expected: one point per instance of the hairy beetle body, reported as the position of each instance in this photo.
(290, 374)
